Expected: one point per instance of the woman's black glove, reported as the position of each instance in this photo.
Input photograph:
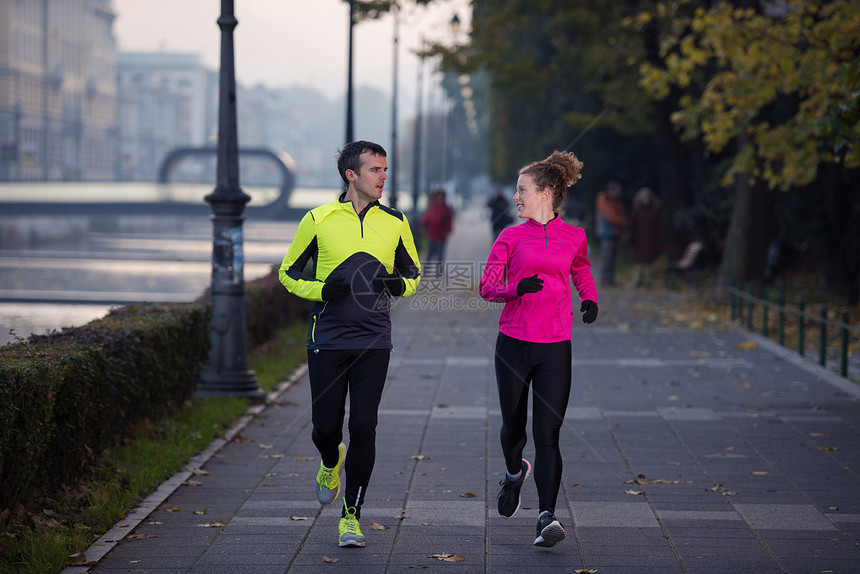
(394, 284)
(589, 310)
(335, 289)
(529, 285)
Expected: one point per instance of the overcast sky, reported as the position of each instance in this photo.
(290, 42)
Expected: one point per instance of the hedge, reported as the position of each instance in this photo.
(68, 395)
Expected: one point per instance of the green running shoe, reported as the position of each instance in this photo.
(349, 533)
(328, 479)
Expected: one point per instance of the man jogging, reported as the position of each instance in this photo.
(363, 254)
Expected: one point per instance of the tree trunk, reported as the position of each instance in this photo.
(750, 230)
(671, 171)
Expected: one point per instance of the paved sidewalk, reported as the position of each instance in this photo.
(683, 453)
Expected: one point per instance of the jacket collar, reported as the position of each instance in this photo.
(344, 203)
(551, 223)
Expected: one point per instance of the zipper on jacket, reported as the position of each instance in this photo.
(545, 236)
(314, 330)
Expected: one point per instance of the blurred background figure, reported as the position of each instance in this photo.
(610, 220)
(500, 217)
(645, 236)
(436, 225)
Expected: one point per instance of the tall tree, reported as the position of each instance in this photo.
(775, 87)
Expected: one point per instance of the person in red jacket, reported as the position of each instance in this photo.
(436, 225)
(530, 269)
(645, 236)
(610, 219)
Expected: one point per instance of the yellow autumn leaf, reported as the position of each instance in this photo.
(747, 346)
(447, 557)
(467, 495)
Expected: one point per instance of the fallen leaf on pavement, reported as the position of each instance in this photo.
(200, 512)
(175, 509)
(421, 457)
(468, 495)
(140, 536)
(586, 571)
(402, 515)
(192, 483)
(213, 524)
(634, 492)
(328, 560)
(275, 456)
(200, 472)
(77, 558)
(298, 518)
(447, 557)
(299, 457)
(261, 445)
(241, 438)
(722, 490)
(747, 346)
(827, 448)
(378, 526)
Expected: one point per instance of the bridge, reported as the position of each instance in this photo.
(147, 198)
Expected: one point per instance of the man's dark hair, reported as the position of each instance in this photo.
(348, 158)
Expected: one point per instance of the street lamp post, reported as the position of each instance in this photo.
(392, 155)
(416, 144)
(349, 120)
(227, 373)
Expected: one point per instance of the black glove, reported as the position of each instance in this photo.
(589, 309)
(394, 284)
(529, 285)
(335, 289)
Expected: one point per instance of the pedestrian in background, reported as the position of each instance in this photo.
(610, 222)
(500, 216)
(645, 235)
(363, 254)
(436, 224)
(530, 268)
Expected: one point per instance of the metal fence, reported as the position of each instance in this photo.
(760, 312)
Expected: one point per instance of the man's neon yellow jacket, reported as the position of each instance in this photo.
(362, 249)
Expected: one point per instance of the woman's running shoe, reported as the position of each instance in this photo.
(509, 496)
(549, 530)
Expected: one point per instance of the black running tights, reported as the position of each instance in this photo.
(547, 368)
(333, 374)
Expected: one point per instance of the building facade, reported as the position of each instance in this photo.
(57, 90)
(165, 101)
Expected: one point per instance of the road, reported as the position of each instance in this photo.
(164, 259)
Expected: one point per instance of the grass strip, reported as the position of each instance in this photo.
(47, 539)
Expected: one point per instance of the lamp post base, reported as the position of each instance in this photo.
(242, 384)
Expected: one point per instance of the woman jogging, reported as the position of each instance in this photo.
(530, 268)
